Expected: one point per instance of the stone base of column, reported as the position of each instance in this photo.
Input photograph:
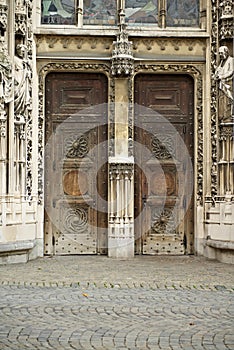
(121, 242)
(219, 242)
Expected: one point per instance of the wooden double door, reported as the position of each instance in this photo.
(76, 171)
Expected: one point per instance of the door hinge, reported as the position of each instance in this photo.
(53, 241)
(184, 129)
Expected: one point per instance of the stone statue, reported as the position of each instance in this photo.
(224, 75)
(5, 79)
(22, 75)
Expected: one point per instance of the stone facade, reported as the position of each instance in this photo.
(33, 46)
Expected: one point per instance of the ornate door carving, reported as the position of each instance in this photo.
(163, 175)
(76, 164)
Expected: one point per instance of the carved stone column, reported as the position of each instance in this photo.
(5, 94)
(121, 164)
(3, 159)
(224, 75)
(23, 97)
(19, 156)
(220, 208)
(226, 162)
(121, 229)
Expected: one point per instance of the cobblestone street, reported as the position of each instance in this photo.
(93, 302)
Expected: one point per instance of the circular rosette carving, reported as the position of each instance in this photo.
(163, 222)
(79, 148)
(163, 148)
(75, 220)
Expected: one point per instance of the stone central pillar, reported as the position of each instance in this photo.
(121, 193)
(121, 163)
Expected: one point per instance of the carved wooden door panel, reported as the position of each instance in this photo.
(164, 170)
(76, 164)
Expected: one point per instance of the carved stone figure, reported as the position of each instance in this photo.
(5, 78)
(22, 76)
(224, 75)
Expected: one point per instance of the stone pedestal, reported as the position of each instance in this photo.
(121, 213)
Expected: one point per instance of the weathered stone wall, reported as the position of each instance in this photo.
(18, 230)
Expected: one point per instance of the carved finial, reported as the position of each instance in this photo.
(122, 58)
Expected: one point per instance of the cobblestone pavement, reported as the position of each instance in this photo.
(99, 303)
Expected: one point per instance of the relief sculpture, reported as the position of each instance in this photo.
(5, 79)
(79, 148)
(224, 76)
(22, 76)
(163, 148)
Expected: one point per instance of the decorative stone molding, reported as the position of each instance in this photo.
(49, 41)
(130, 117)
(162, 44)
(214, 98)
(20, 6)
(3, 16)
(21, 24)
(79, 43)
(226, 132)
(176, 44)
(65, 42)
(112, 118)
(196, 72)
(226, 21)
(56, 67)
(148, 44)
(2, 129)
(169, 44)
